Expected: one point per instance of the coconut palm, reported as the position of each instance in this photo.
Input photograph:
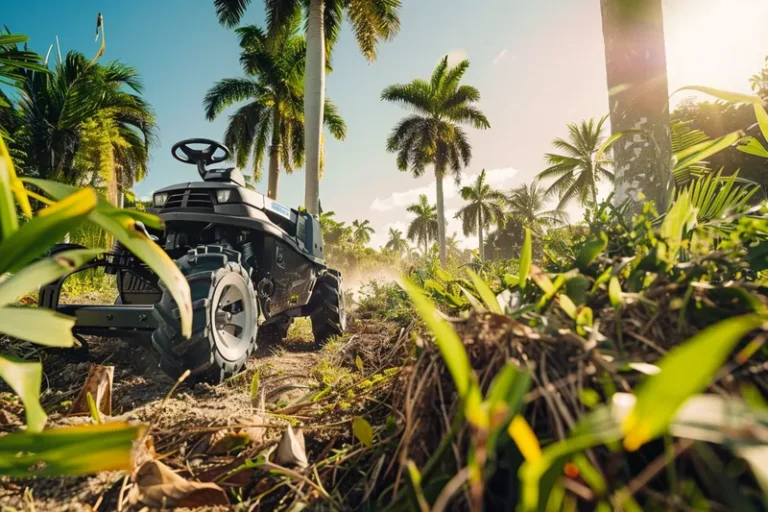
(85, 123)
(272, 121)
(452, 246)
(423, 228)
(486, 207)
(527, 203)
(13, 60)
(432, 135)
(396, 242)
(371, 20)
(362, 231)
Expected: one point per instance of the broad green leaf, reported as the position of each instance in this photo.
(685, 370)
(614, 292)
(489, 299)
(526, 256)
(122, 224)
(680, 219)
(77, 450)
(704, 150)
(762, 119)
(731, 97)
(41, 326)
(45, 229)
(448, 342)
(24, 378)
(511, 281)
(752, 146)
(591, 250)
(43, 272)
(362, 431)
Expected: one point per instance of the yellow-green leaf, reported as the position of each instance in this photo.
(762, 119)
(95, 416)
(43, 272)
(567, 305)
(526, 256)
(359, 363)
(46, 228)
(731, 97)
(614, 292)
(584, 321)
(525, 439)
(752, 146)
(685, 370)
(362, 431)
(80, 450)
(255, 385)
(24, 378)
(9, 222)
(41, 326)
(704, 150)
(489, 299)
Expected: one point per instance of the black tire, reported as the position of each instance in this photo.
(210, 354)
(329, 317)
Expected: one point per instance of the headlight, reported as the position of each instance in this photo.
(160, 199)
(222, 196)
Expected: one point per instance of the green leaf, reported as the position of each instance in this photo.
(95, 416)
(43, 272)
(685, 370)
(448, 342)
(476, 304)
(704, 150)
(489, 299)
(613, 138)
(9, 222)
(255, 385)
(510, 281)
(584, 321)
(567, 305)
(752, 146)
(41, 326)
(45, 229)
(614, 292)
(359, 363)
(526, 256)
(24, 378)
(731, 97)
(362, 431)
(80, 450)
(680, 219)
(508, 387)
(762, 119)
(591, 250)
(415, 491)
(122, 224)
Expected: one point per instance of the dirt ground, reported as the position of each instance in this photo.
(186, 423)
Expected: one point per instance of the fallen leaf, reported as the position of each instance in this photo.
(291, 450)
(158, 486)
(362, 430)
(256, 433)
(143, 450)
(99, 384)
(7, 418)
(229, 442)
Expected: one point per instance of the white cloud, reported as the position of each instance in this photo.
(496, 177)
(456, 56)
(500, 56)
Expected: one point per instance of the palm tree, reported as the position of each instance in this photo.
(527, 203)
(272, 120)
(396, 242)
(86, 123)
(362, 231)
(423, 228)
(372, 21)
(486, 207)
(636, 71)
(13, 60)
(432, 135)
(579, 169)
(452, 246)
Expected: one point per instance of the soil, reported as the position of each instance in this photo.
(180, 425)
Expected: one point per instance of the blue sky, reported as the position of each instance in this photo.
(538, 65)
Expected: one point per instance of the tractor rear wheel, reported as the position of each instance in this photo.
(329, 317)
(224, 317)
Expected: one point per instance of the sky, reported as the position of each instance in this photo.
(538, 65)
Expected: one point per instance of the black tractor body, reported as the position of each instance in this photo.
(253, 265)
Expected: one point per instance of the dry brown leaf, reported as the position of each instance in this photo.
(99, 385)
(8, 419)
(254, 432)
(291, 450)
(158, 486)
(143, 451)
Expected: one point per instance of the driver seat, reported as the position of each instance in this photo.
(227, 175)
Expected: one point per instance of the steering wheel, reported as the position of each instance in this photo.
(183, 152)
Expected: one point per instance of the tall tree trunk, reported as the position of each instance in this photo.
(635, 62)
(440, 218)
(480, 234)
(274, 156)
(314, 100)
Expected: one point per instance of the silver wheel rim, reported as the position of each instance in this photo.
(342, 310)
(233, 317)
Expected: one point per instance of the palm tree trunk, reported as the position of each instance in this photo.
(440, 218)
(636, 66)
(480, 234)
(314, 100)
(274, 156)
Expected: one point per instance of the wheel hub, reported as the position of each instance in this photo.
(233, 316)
